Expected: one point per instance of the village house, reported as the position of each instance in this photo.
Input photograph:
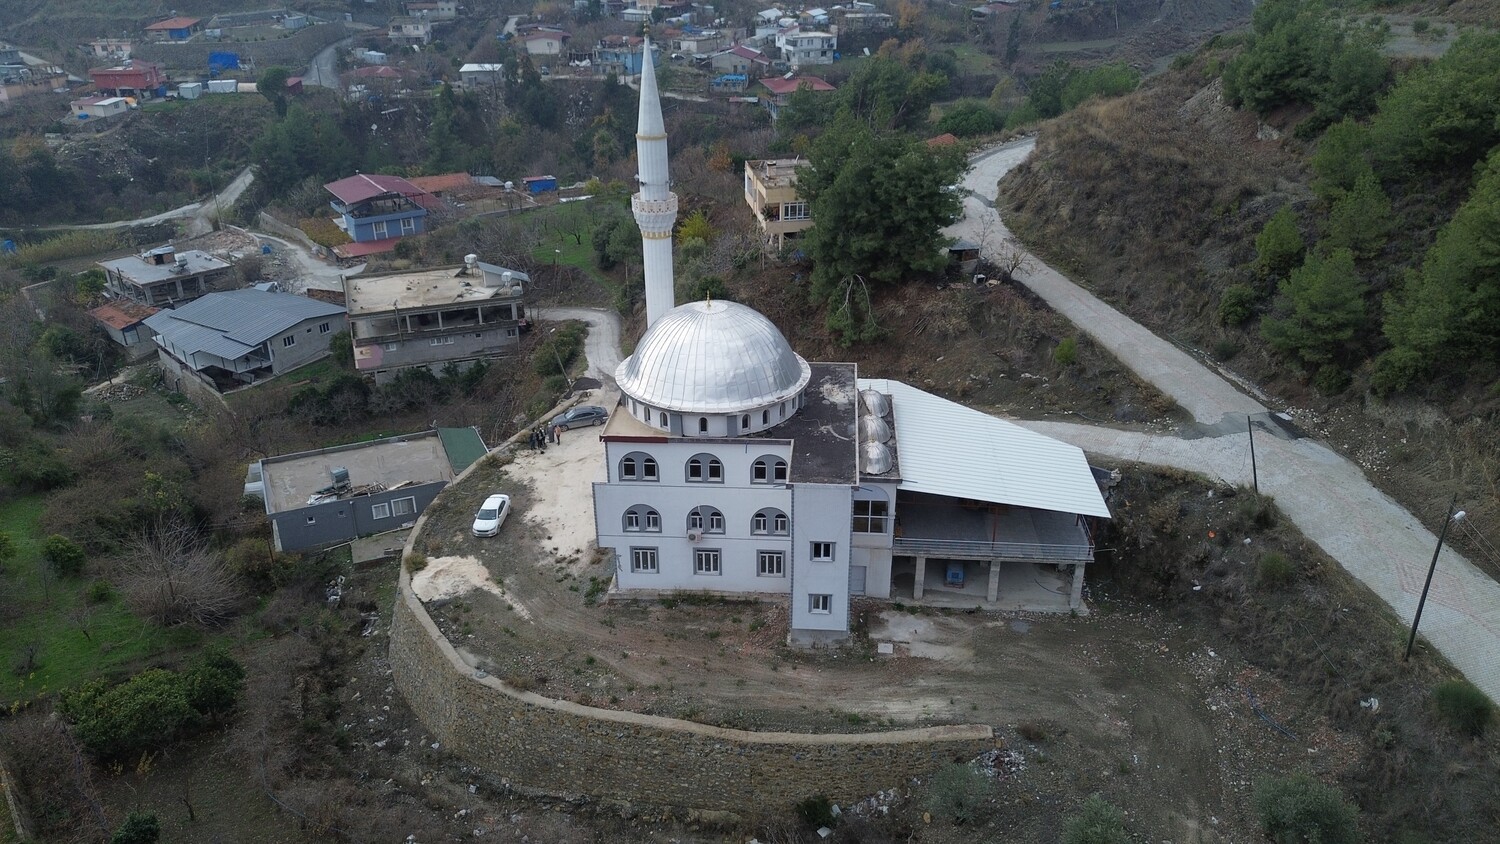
(163, 277)
(544, 41)
(480, 75)
(377, 210)
(741, 60)
(435, 318)
(435, 10)
(693, 41)
(802, 48)
(22, 76)
(621, 55)
(406, 31)
(319, 498)
(124, 322)
(89, 108)
(174, 29)
(239, 338)
(135, 78)
(110, 49)
(781, 89)
(771, 191)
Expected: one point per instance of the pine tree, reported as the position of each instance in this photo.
(1361, 219)
(1324, 311)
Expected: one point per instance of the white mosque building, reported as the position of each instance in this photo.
(735, 467)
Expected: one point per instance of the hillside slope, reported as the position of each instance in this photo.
(1154, 202)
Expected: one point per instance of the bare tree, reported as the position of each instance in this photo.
(1011, 259)
(170, 573)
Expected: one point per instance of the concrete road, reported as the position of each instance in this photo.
(603, 344)
(317, 274)
(1326, 496)
(199, 214)
(323, 71)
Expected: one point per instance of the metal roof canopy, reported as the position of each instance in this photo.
(235, 322)
(363, 186)
(953, 450)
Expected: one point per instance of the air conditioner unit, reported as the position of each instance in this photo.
(695, 534)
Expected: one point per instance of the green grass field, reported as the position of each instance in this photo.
(76, 640)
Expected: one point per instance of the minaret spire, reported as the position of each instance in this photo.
(654, 205)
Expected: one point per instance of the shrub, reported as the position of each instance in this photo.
(416, 562)
(1279, 246)
(323, 231)
(64, 555)
(99, 592)
(816, 811)
(7, 549)
(1331, 380)
(956, 792)
(1066, 353)
(1274, 570)
(153, 708)
(138, 828)
(1097, 823)
(1237, 304)
(1463, 706)
(1298, 809)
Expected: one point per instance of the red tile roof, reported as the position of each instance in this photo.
(947, 139)
(780, 85)
(369, 247)
(363, 186)
(749, 53)
(175, 23)
(122, 314)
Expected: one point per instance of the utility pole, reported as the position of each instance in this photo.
(1254, 473)
(1448, 519)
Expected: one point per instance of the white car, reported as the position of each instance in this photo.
(491, 515)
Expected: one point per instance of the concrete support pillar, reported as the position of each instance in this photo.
(916, 584)
(993, 594)
(179, 289)
(1075, 597)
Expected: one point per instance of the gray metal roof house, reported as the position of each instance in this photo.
(330, 495)
(241, 337)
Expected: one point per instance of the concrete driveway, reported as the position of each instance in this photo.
(1326, 496)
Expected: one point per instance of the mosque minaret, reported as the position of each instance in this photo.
(654, 205)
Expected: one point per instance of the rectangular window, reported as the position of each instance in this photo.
(870, 516)
(408, 226)
(822, 552)
(379, 230)
(391, 347)
(795, 211)
(705, 562)
(312, 520)
(770, 564)
(820, 604)
(404, 506)
(288, 341)
(632, 520)
(653, 520)
(380, 511)
(643, 560)
(324, 328)
(441, 341)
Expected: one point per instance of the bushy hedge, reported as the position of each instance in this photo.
(1299, 809)
(154, 708)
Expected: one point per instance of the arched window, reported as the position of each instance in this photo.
(768, 470)
(664, 420)
(744, 422)
(702, 424)
(705, 469)
(770, 522)
(705, 518)
(642, 518)
(638, 466)
(765, 417)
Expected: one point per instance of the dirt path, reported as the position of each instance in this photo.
(198, 214)
(1328, 497)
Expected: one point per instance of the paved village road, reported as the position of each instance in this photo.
(603, 344)
(199, 214)
(1326, 496)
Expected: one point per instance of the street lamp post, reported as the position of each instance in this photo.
(1422, 602)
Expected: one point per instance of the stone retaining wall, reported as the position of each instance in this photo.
(563, 748)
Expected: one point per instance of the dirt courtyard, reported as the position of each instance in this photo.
(1121, 701)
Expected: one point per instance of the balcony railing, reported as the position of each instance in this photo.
(969, 549)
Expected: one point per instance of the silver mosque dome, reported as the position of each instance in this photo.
(712, 357)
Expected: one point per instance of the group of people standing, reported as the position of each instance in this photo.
(540, 436)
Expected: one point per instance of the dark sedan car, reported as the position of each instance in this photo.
(580, 416)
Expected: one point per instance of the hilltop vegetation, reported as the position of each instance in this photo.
(1334, 241)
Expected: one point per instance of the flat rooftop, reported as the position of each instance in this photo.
(292, 479)
(425, 289)
(777, 172)
(141, 271)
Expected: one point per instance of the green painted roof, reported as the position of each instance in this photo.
(463, 446)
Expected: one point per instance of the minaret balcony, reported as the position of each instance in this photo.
(654, 214)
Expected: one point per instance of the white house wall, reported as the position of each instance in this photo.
(820, 513)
